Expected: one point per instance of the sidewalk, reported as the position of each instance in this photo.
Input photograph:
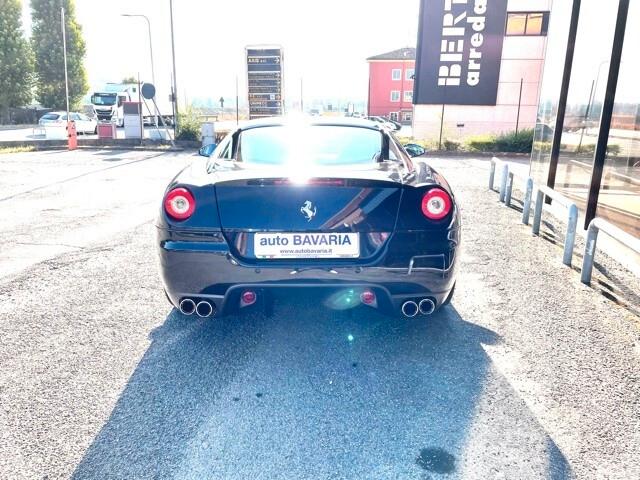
(572, 354)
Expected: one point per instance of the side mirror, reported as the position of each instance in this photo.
(414, 150)
(207, 150)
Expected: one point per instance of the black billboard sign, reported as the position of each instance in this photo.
(459, 51)
(264, 81)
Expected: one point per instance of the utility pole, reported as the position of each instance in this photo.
(175, 83)
(237, 106)
(301, 96)
(64, 49)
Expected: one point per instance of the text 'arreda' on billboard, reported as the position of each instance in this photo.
(459, 51)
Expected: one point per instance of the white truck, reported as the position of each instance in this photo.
(107, 104)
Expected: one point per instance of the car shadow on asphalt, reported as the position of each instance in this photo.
(315, 393)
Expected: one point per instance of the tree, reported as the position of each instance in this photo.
(129, 79)
(16, 59)
(47, 45)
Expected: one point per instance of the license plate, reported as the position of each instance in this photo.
(306, 245)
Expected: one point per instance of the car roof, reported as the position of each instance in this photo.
(309, 120)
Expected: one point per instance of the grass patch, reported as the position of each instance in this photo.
(511, 142)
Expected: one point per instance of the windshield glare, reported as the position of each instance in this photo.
(325, 145)
(100, 99)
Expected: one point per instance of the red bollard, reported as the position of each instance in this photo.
(72, 134)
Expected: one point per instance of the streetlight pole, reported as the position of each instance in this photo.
(153, 72)
(175, 83)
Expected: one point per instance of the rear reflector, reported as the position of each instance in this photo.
(368, 297)
(249, 297)
(436, 204)
(179, 204)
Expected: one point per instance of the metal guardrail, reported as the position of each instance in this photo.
(572, 220)
(616, 233)
(506, 187)
(503, 180)
(528, 193)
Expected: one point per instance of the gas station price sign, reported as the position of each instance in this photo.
(264, 81)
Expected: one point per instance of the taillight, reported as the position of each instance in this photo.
(436, 204)
(179, 203)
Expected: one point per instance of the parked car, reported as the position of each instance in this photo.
(414, 150)
(387, 123)
(334, 205)
(84, 124)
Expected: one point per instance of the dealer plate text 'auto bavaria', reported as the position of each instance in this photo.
(306, 245)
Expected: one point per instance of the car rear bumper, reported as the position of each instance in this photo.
(193, 266)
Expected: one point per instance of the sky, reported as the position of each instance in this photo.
(325, 42)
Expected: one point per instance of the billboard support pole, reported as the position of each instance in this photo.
(562, 101)
(441, 128)
(519, 104)
(600, 154)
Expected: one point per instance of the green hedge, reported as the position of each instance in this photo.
(512, 142)
(188, 125)
(521, 142)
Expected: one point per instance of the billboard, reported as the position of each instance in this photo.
(264, 81)
(459, 51)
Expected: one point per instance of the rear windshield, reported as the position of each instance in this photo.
(313, 145)
(51, 116)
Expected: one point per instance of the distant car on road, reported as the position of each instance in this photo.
(84, 124)
(388, 123)
(334, 205)
(414, 150)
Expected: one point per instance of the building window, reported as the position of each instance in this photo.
(407, 116)
(395, 95)
(409, 74)
(393, 116)
(527, 23)
(396, 74)
(408, 96)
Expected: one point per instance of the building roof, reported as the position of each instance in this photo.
(407, 53)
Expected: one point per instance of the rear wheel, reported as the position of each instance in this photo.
(447, 300)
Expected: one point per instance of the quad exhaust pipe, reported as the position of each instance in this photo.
(426, 306)
(409, 308)
(203, 308)
(187, 306)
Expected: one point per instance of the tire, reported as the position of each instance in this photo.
(447, 300)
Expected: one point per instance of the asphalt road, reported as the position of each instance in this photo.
(528, 374)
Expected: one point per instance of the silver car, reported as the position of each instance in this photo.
(84, 124)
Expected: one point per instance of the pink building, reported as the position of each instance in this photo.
(521, 68)
(391, 85)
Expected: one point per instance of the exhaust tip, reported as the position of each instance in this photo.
(187, 306)
(410, 308)
(426, 306)
(204, 309)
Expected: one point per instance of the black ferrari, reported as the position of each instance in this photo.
(333, 205)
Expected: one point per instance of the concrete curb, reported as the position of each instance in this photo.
(444, 153)
(104, 143)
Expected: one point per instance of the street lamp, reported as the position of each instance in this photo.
(153, 74)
